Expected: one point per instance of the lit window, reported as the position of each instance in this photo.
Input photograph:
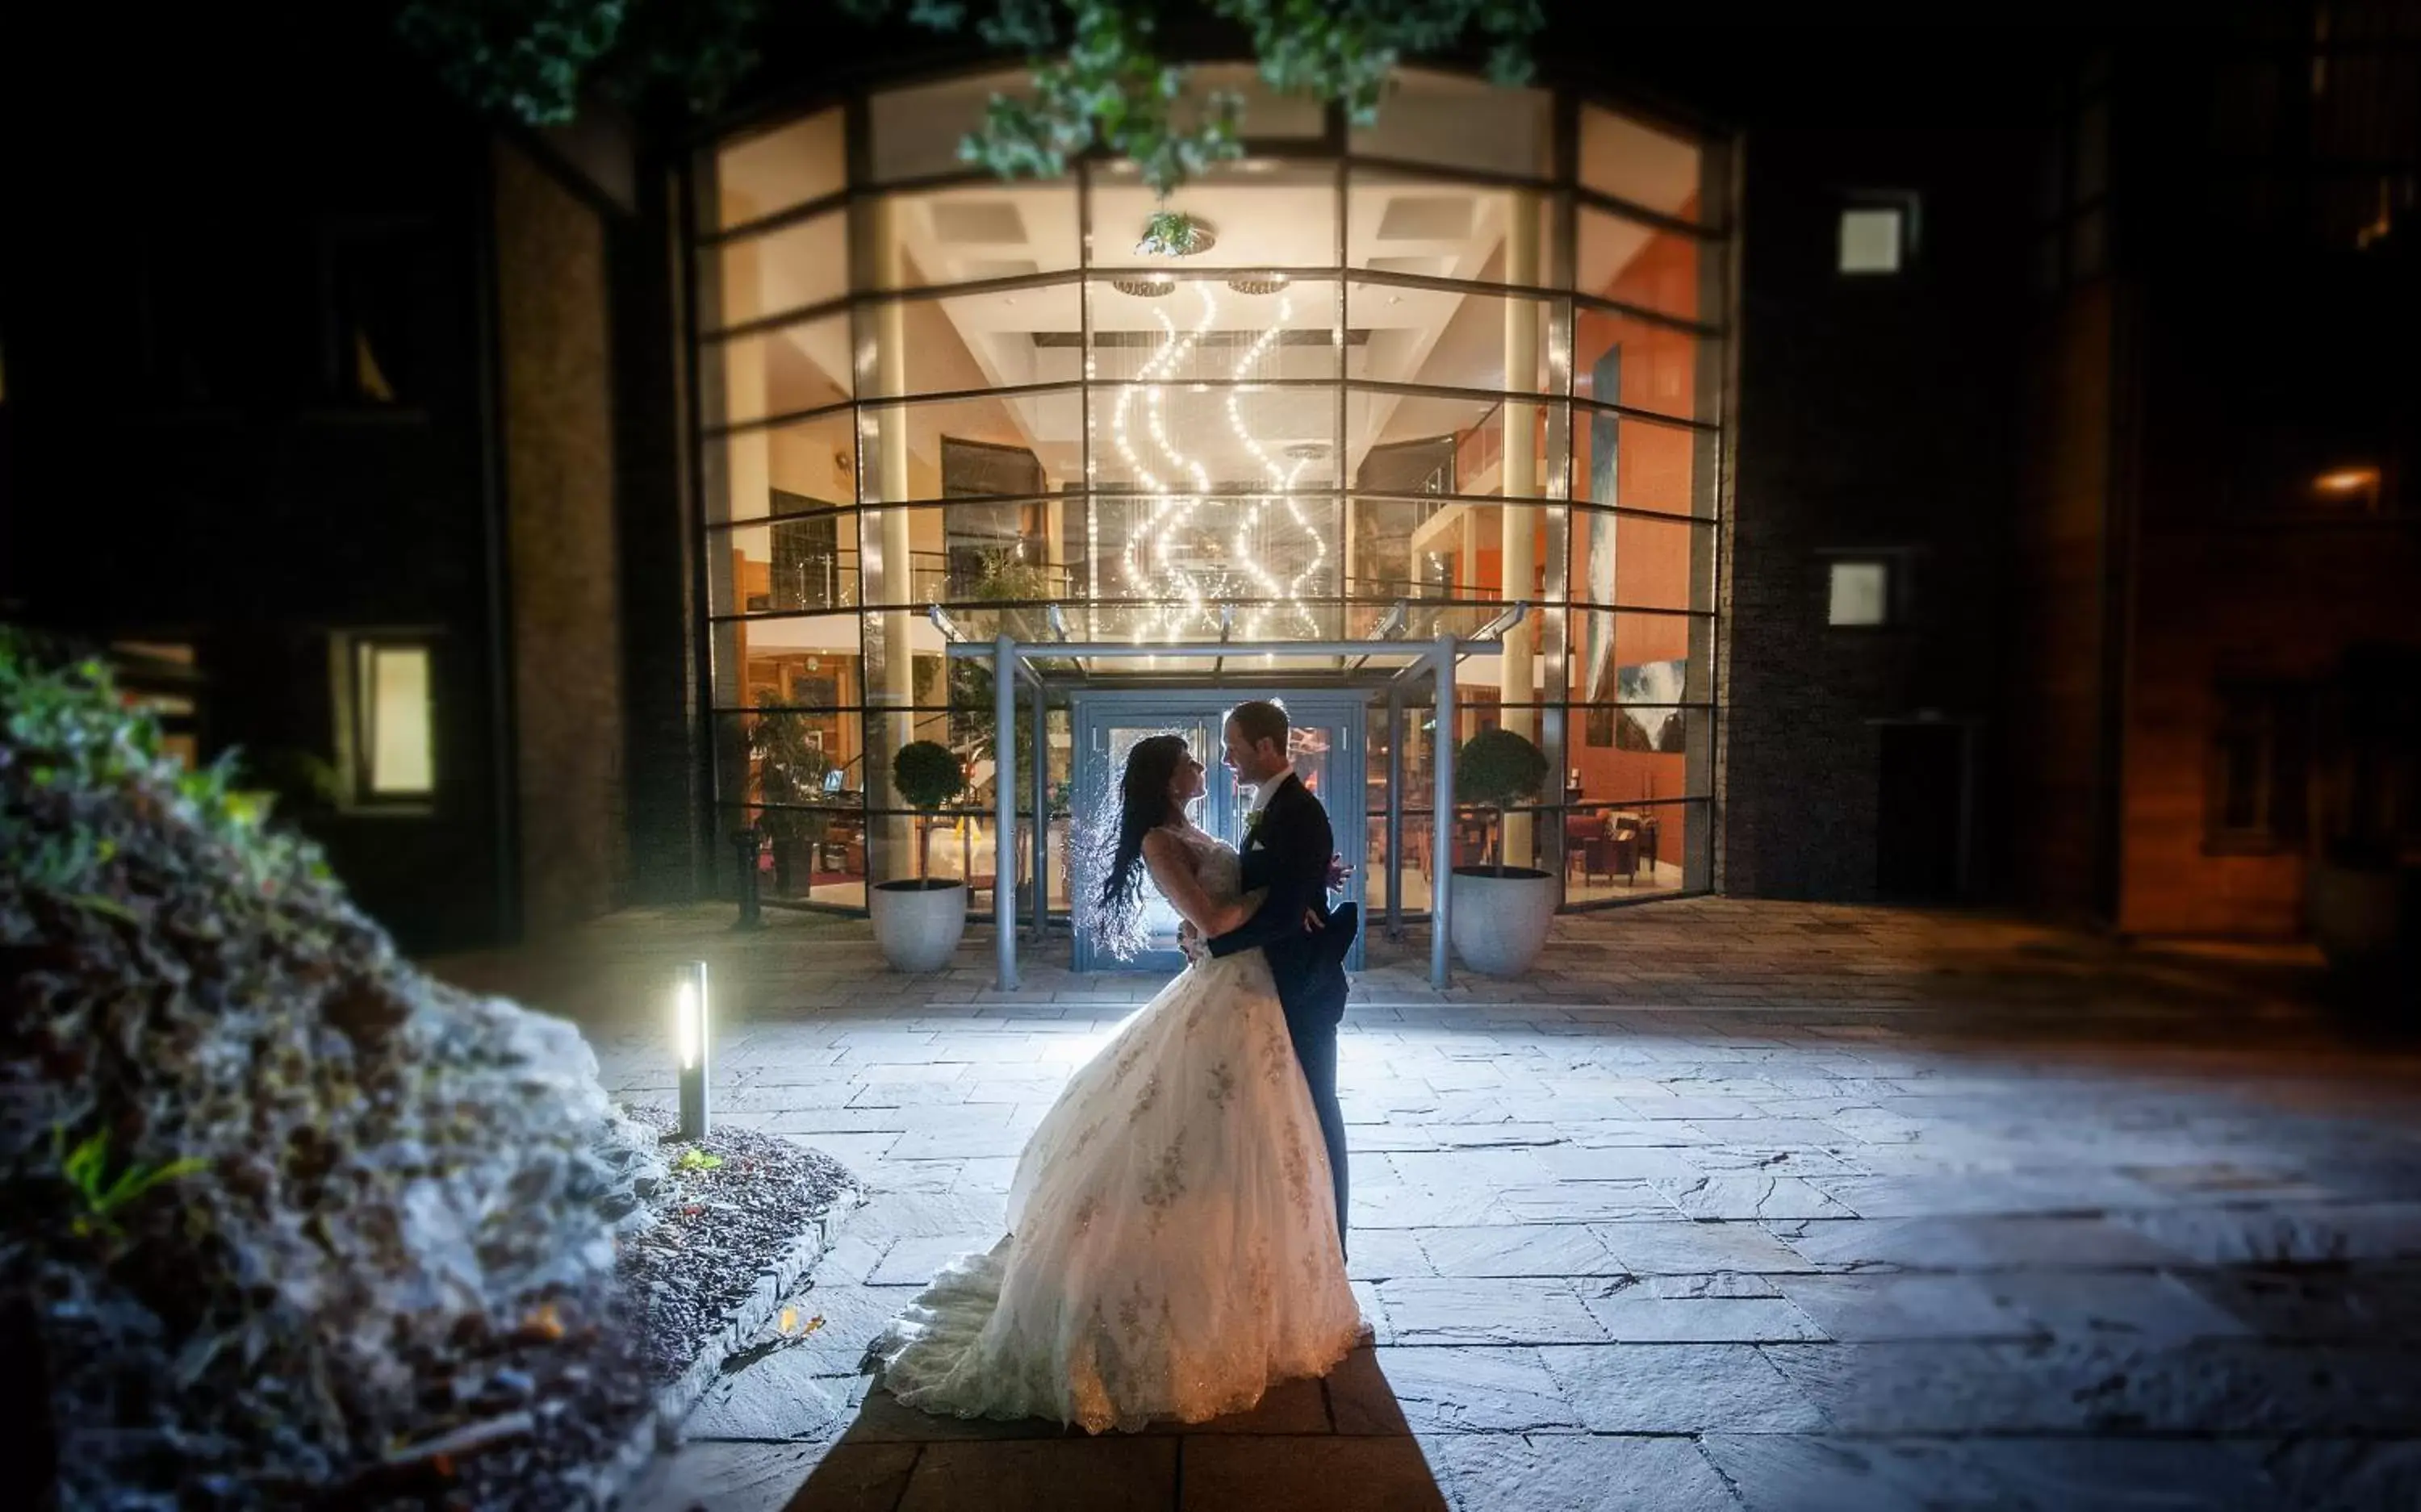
(1861, 593)
(1874, 239)
(389, 736)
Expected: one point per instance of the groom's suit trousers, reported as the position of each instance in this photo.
(1314, 1047)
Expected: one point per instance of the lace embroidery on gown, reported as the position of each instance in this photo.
(1172, 1249)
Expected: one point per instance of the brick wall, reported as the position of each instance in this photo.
(559, 456)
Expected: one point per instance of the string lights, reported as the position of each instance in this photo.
(1180, 484)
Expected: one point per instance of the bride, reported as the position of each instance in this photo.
(1172, 1250)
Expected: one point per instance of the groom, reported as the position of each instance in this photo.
(1288, 850)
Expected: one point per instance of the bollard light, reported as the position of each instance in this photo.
(693, 1024)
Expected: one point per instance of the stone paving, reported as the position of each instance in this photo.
(1728, 1205)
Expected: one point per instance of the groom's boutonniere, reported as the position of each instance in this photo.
(1253, 825)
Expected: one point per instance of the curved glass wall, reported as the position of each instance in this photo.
(1470, 356)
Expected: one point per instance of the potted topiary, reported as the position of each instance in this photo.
(1500, 913)
(790, 775)
(918, 921)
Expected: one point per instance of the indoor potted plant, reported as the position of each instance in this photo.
(790, 775)
(1500, 913)
(918, 920)
(2362, 889)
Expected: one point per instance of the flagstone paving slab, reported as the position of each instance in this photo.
(1728, 1205)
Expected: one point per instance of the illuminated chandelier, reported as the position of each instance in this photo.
(1179, 485)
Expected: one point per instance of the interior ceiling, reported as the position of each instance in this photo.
(1279, 216)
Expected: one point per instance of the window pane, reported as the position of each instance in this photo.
(1640, 563)
(1259, 214)
(1626, 850)
(1183, 330)
(1630, 162)
(810, 855)
(1014, 444)
(1872, 241)
(396, 720)
(780, 271)
(794, 566)
(810, 662)
(1640, 657)
(1640, 464)
(1860, 594)
(970, 234)
(1461, 122)
(1264, 553)
(786, 469)
(784, 371)
(1268, 115)
(1641, 365)
(1418, 226)
(1460, 443)
(791, 165)
(1635, 263)
(1449, 339)
(1003, 340)
(917, 130)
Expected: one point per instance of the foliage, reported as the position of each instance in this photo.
(694, 1158)
(86, 1168)
(789, 771)
(928, 773)
(378, 1179)
(1171, 234)
(1098, 76)
(1495, 769)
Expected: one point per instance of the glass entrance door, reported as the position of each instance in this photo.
(1327, 751)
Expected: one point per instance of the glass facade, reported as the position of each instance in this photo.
(1472, 356)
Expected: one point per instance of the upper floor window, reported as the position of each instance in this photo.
(370, 282)
(1878, 235)
(2257, 795)
(1859, 592)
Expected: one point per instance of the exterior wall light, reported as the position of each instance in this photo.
(693, 1032)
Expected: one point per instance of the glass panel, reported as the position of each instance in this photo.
(1639, 465)
(970, 234)
(785, 469)
(1259, 214)
(999, 445)
(1641, 564)
(810, 855)
(1629, 851)
(1633, 752)
(782, 372)
(1191, 554)
(964, 342)
(791, 165)
(802, 564)
(1420, 226)
(396, 737)
(1456, 443)
(1640, 657)
(1449, 339)
(1461, 122)
(1641, 365)
(1207, 329)
(915, 131)
(1630, 162)
(789, 269)
(1404, 549)
(810, 662)
(1635, 263)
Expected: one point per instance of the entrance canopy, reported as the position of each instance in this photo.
(1408, 671)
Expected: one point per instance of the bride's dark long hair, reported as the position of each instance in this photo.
(1143, 806)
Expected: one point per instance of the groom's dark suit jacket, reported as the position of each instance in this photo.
(1288, 852)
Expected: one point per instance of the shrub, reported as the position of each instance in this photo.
(1495, 769)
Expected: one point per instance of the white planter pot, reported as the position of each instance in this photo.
(918, 924)
(1499, 924)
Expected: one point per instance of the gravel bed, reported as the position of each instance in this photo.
(591, 1426)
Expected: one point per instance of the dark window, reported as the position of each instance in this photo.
(2257, 791)
(372, 279)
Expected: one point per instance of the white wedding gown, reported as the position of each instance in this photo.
(1172, 1249)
